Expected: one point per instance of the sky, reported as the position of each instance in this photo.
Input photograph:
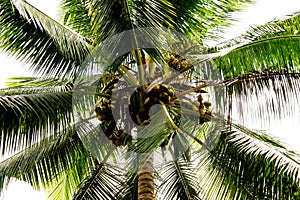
(262, 11)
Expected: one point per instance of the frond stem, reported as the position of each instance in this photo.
(99, 169)
(186, 190)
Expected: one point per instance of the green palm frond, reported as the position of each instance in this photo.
(112, 17)
(277, 53)
(72, 45)
(75, 15)
(129, 189)
(30, 83)
(286, 26)
(263, 96)
(31, 36)
(103, 183)
(45, 163)
(27, 118)
(274, 45)
(66, 182)
(179, 180)
(248, 165)
(203, 16)
(151, 137)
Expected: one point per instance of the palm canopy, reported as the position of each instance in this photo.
(223, 159)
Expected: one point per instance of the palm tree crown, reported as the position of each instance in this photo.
(131, 104)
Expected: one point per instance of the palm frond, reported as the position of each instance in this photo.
(151, 137)
(46, 162)
(285, 26)
(28, 85)
(75, 15)
(27, 118)
(271, 46)
(203, 16)
(71, 44)
(33, 82)
(280, 52)
(129, 189)
(66, 183)
(112, 17)
(263, 96)
(31, 36)
(102, 183)
(248, 165)
(179, 180)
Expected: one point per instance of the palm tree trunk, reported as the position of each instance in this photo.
(146, 179)
(145, 171)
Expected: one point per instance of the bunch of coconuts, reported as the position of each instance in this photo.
(177, 62)
(140, 103)
(204, 110)
(104, 114)
(144, 98)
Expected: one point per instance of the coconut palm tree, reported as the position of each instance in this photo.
(50, 131)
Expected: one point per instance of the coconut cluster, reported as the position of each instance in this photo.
(139, 105)
(104, 114)
(149, 96)
(204, 110)
(177, 62)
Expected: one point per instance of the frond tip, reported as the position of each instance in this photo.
(247, 165)
(102, 183)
